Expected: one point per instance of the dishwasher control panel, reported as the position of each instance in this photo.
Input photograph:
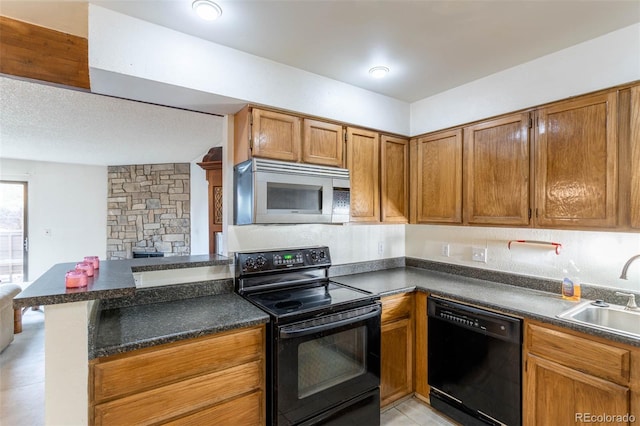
(479, 320)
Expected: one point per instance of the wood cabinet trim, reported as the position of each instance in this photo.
(517, 181)
(280, 147)
(579, 353)
(634, 139)
(443, 207)
(308, 156)
(394, 181)
(365, 177)
(181, 398)
(148, 368)
(546, 218)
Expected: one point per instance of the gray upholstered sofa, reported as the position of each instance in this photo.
(7, 316)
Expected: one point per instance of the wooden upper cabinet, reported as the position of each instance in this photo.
(275, 135)
(635, 157)
(436, 178)
(322, 143)
(496, 170)
(363, 150)
(394, 179)
(576, 163)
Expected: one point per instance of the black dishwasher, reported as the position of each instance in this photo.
(475, 361)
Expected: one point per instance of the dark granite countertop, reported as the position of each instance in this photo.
(513, 299)
(114, 279)
(124, 329)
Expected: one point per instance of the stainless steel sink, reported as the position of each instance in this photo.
(613, 318)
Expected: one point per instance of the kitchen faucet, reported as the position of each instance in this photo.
(623, 275)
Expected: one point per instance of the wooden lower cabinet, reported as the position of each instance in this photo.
(571, 378)
(188, 382)
(396, 358)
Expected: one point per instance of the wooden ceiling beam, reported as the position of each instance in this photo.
(39, 53)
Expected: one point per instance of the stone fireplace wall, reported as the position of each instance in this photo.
(148, 210)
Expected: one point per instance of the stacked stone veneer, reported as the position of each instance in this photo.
(148, 210)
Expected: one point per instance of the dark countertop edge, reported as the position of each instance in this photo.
(171, 338)
(178, 262)
(56, 299)
(128, 267)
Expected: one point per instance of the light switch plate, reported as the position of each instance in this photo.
(479, 254)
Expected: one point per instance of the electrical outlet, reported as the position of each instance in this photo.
(445, 250)
(479, 254)
(381, 247)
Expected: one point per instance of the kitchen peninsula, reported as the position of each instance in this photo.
(127, 318)
(71, 317)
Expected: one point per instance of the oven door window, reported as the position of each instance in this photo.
(330, 360)
(320, 365)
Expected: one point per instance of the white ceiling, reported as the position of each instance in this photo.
(45, 123)
(430, 46)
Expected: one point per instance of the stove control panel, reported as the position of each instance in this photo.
(275, 260)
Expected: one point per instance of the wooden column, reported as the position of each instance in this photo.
(212, 164)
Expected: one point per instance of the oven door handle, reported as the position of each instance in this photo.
(290, 333)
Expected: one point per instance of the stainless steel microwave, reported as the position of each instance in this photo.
(269, 191)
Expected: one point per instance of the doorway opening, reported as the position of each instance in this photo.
(13, 232)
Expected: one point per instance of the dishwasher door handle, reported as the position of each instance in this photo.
(291, 332)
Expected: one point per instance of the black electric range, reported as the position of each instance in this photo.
(323, 339)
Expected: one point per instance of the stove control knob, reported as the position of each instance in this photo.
(261, 261)
(250, 263)
(322, 255)
(314, 256)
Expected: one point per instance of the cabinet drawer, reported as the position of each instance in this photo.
(245, 410)
(149, 368)
(181, 398)
(579, 353)
(396, 307)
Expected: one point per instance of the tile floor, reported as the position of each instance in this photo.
(412, 412)
(22, 375)
(22, 384)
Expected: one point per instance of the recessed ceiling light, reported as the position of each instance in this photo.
(379, 72)
(207, 10)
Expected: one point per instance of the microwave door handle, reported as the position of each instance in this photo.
(289, 334)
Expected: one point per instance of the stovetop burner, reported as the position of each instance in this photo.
(300, 287)
(306, 298)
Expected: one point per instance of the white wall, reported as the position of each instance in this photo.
(599, 63)
(599, 255)
(347, 243)
(68, 199)
(126, 46)
(199, 209)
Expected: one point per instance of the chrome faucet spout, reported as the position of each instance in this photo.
(623, 275)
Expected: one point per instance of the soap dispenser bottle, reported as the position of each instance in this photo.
(571, 282)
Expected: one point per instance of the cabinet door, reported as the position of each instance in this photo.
(394, 179)
(363, 150)
(436, 178)
(275, 135)
(396, 360)
(635, 157)
(497, 171)
(322, 143)
(558, 395)
(576, 163)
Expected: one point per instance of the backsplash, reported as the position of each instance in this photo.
(599, 256)
(148, 210)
